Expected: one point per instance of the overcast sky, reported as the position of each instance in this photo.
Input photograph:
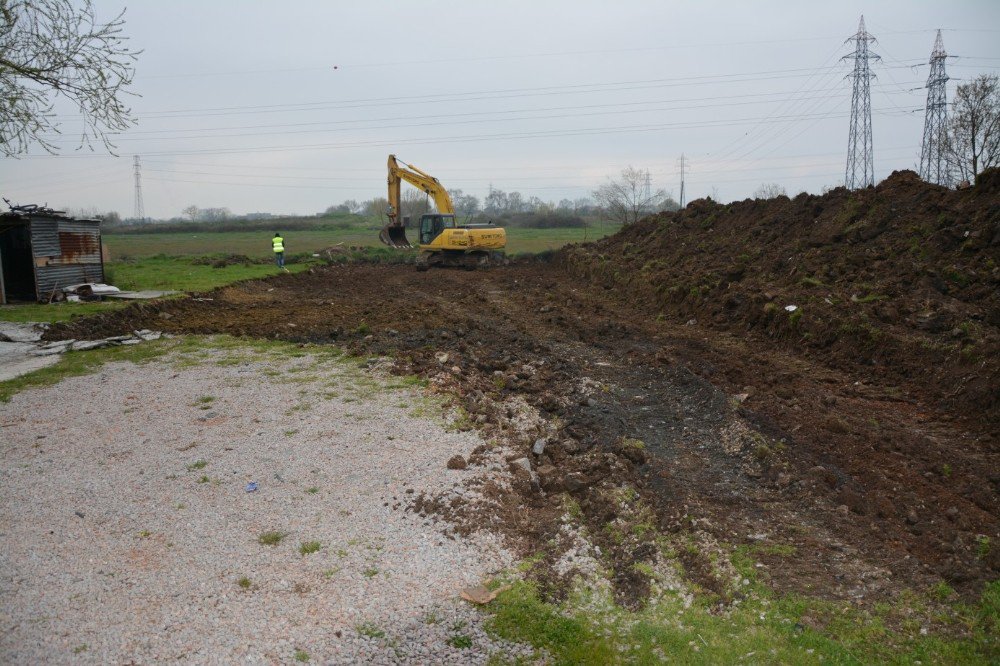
(293, 106)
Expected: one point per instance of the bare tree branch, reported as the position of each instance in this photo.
(769, 191)
(973, 140)
(629, 199)
(51, 49)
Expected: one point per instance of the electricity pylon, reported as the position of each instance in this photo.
(860, 156)
(934, 167)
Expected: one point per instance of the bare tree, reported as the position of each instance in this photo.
(192, 211)
(627, 199)
(51, 49)
(769, 191)
(465, 204)
(414, 204)
(973, 142)
(497, 202)
(376, 207)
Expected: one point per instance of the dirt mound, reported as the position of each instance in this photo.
(899, 283)
(723, 432)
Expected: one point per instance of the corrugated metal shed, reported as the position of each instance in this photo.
(63, 251)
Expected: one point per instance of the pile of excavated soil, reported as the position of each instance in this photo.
(900, 282)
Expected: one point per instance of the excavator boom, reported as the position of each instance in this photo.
(394, 233)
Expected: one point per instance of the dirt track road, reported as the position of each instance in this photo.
(725, 435)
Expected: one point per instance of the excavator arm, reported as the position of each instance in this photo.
(394, 233)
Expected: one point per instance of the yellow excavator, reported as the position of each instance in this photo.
(442, 241)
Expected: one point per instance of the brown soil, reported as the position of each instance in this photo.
(751, 432)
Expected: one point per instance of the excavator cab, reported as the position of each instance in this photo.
(431, 227)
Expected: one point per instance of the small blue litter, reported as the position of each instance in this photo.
(252, 486)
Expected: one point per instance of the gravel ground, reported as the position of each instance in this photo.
(125, 525)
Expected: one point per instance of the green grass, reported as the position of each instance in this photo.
(244, 582)
(258, 244)
(180, 274)
(249, 243)
(370, 630)
(54, 312)
(309, 547)
(301, 655)
(589, 629)
(271, 538)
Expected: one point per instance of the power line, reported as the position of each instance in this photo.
(500, 93)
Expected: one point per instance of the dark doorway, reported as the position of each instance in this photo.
(18, 268)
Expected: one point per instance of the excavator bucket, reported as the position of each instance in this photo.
(394, 235)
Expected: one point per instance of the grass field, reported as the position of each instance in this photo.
(258, 244)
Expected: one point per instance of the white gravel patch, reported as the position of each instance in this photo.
(117, 546)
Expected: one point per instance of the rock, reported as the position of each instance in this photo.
(691, 322)
(441, 357)
(84, 345)
(952, 513)
(548, 477)
(59, 343)
(570, 445)
(574, 482)
(165, 315)
(784, 480)
(911, 517)
(539, 446)
(457, 462)
(523, 463)
(49, 352)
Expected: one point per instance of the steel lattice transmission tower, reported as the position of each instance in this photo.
(860, 157)
(682, 163)
(934, 167)
(139, 213)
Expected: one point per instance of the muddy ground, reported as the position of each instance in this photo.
(849, 487)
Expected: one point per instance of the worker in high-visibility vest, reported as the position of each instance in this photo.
(278, 244)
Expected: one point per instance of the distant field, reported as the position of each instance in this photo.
(258, 244)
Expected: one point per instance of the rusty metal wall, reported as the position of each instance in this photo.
(65, 252)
